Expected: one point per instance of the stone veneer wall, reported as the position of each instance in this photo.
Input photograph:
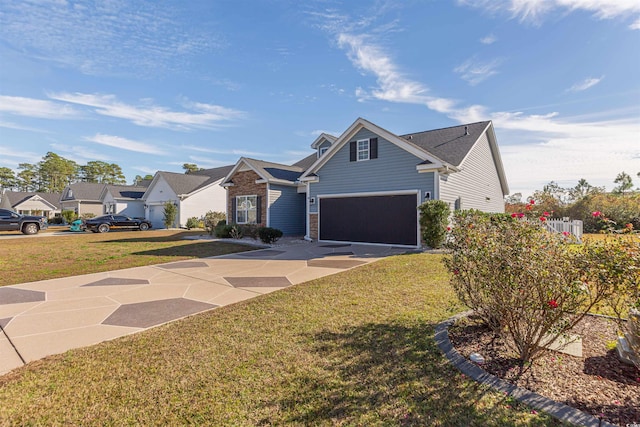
(313, 225)
(244, 184)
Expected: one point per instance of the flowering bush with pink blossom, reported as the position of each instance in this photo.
(530, 286)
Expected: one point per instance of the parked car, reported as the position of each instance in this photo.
(104, 223)
(28, 224)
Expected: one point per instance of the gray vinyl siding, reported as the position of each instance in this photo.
(325, 144)
(393, 170)
(287, 210)
(477, 182)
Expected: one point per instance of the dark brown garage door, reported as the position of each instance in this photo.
(373, 219)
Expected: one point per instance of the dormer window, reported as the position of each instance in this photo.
(322, 150)
(70, 194)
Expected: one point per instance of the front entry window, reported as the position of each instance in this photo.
(246, 209)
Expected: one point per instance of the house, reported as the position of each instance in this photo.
(124, 199)
(194, 194)
(83, 198)
(30, 203)
(365, 185)
(368, 184)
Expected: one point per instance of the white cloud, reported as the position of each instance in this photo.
(489, 39)
(585, 84)
(79, 153)
(206, 116)
(124, 144)
(226, 152)
(474, 71)
(565, 151)
(107, 37)
(20, 155)
(536, 148)
(36, 108)
(392, 86)
(534, 11)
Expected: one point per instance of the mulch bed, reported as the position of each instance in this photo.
(597, 383)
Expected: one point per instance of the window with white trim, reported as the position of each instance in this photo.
(246, 209)
(322, 151)
(363, 149)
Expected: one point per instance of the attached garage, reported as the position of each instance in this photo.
(156, 216)
(384, 218)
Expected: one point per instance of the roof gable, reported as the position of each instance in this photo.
(276, 173)
(16, 198)
(322, 138)
(361, 123)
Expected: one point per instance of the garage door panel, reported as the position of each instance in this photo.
(373, 219)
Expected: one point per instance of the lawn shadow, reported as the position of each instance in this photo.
(144, 236)
(387, 374)
(618, 371)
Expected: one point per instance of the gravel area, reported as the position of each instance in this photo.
(597, 383)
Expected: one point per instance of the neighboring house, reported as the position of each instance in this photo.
(124, 200)
(83, 198)
(366, 185)
(30, 203)
(194, 195)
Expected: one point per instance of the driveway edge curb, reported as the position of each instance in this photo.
(557, 410)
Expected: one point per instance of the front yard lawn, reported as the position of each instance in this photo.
(356, 348)
(48, 257)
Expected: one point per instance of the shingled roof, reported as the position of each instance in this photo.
(17, 197)
(450, 144)
(182, 183)
(272, 172)
(307, 161)
(87, 191)
(126, 191)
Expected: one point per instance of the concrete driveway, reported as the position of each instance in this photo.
(52, 316)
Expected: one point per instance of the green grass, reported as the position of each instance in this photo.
(39, 258)
(356, 348)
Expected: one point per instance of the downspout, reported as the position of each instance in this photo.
(306, 237)
(267, 215)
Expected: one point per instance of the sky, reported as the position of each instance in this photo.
(151, 85)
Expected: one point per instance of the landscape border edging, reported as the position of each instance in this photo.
(557, 410)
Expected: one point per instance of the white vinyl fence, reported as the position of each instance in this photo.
(558, 225)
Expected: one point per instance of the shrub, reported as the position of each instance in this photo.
(236, 231)
(249, 230)
(88, 215)
(222, 230)
(170, 214)
(530, 286)
(69, 216)
(434, 216)
(193, 222)
(269, 235)
(56, 220)
(212, 219)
